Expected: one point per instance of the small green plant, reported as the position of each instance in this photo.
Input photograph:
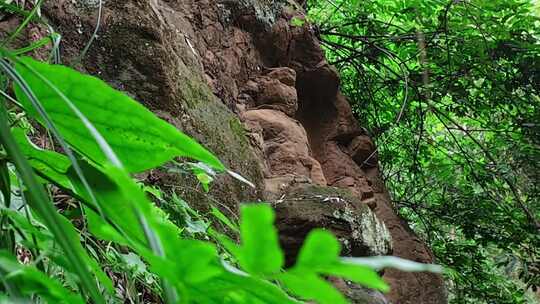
(295, 21)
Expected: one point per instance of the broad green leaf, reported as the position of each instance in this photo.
(320, 248)
(233, 288)
(101, 229)
(320, 254)
(56, 168)
(309, 286)
(139, 138)
(31, 281)
(177, 260)
(125, 204)
(49, 164)
(362, 275)
(197, 261)
(31, 230)
(260, 252)
(111, 202)
(64, 233)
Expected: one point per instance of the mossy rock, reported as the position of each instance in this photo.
(157, 66)
(304, 207)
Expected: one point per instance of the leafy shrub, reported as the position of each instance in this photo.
(106, 136)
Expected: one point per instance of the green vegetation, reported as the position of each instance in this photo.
(449, 89)
(117, 212)
(76, 227)
(451, 92)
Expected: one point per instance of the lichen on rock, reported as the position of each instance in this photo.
(266, 12)
(303, 206)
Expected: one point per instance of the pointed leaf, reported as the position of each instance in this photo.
(260, 252)
(320, 248)
(139, 138)
(309, 286)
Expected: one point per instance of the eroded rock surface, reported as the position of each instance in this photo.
(303, 206)
(284, 144)
(237, 76)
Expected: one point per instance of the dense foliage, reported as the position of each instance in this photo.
(77, 227)
(451, 91)
(106, 136)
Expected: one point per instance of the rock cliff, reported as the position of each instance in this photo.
(256, 90)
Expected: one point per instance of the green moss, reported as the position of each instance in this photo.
(238, 129)
(159, 69)
(211, 122)
(195, 93)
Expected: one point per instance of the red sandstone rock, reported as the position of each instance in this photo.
(362, 151)
(285, 75)
(285, 145)
(274, 94)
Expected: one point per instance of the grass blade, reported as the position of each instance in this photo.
(39, 201)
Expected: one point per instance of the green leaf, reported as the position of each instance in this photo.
(226, 242)
(29, 227)
(49, 164)
(64, 233)
(205, 180)
(134, 262)
(320, 254)
(91, 264)
(297, 22)
(362, 275)
(31, 281)
(320, 248)
(309, 286)
(260, 252)
(177, 260)
(125, 204)
(233, 288)
(111, 202)
(139, 138)
(101, 229)
(197, 261)
(5, 182)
